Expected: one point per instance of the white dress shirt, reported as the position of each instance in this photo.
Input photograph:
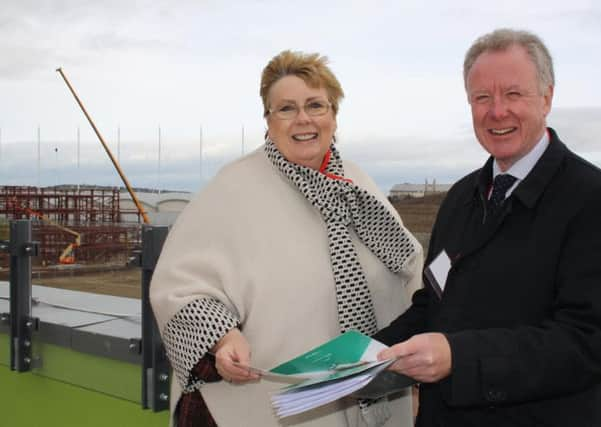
(523, 166)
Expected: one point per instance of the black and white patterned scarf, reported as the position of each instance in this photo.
(343, 205)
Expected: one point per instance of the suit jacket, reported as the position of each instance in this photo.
(522, 304)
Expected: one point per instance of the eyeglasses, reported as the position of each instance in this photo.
(290, 110)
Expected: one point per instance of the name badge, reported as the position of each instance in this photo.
(437, 273)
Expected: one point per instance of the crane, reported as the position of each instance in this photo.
(131, 191)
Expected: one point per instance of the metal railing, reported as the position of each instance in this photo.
(155, 366)
(22, 325)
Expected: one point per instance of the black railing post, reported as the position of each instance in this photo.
(22, 325)
(155, 366)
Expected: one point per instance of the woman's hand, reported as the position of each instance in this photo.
(232, 358)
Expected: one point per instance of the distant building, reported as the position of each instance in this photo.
(161, 208)
(401, 191)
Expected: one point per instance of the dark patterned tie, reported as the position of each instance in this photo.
(500, 185)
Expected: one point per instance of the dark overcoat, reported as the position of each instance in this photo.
(521, 307)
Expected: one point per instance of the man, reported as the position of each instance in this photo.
(507, 330)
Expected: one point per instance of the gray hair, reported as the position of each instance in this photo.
(504, 38)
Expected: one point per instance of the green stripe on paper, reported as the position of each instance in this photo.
(346, 348)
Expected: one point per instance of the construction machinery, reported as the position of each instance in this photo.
(130, 189)
(67, 255)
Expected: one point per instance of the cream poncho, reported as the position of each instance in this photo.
(254, 243)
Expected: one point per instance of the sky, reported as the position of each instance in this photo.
(183, 76)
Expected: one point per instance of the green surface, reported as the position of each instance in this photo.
(118, 379)
(4, 350)
(30, 400)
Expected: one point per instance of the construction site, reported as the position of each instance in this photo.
(80, 230)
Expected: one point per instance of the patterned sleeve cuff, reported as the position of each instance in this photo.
(193, 331)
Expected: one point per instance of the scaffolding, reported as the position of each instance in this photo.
(93, 212)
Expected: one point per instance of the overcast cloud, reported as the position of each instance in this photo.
(138, 65)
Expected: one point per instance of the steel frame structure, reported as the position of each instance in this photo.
(94, 212)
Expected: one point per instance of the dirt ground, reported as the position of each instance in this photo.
(119, 282)
(418, 214)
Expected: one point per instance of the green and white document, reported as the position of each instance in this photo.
(346, 365)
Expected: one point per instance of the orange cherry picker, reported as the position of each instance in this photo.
(67, 256)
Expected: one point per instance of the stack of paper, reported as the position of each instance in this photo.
(320, 391)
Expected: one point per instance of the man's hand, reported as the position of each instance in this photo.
(424, 357)
(231, 351)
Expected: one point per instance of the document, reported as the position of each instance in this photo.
(346, 365)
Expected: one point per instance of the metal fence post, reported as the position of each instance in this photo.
(155, 366)
(22, 325)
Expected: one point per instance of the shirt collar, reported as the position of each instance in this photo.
(521, 168)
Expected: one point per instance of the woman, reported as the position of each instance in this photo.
(286, 248)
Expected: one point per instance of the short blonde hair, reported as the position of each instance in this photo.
(502, 39)
(310, 67)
